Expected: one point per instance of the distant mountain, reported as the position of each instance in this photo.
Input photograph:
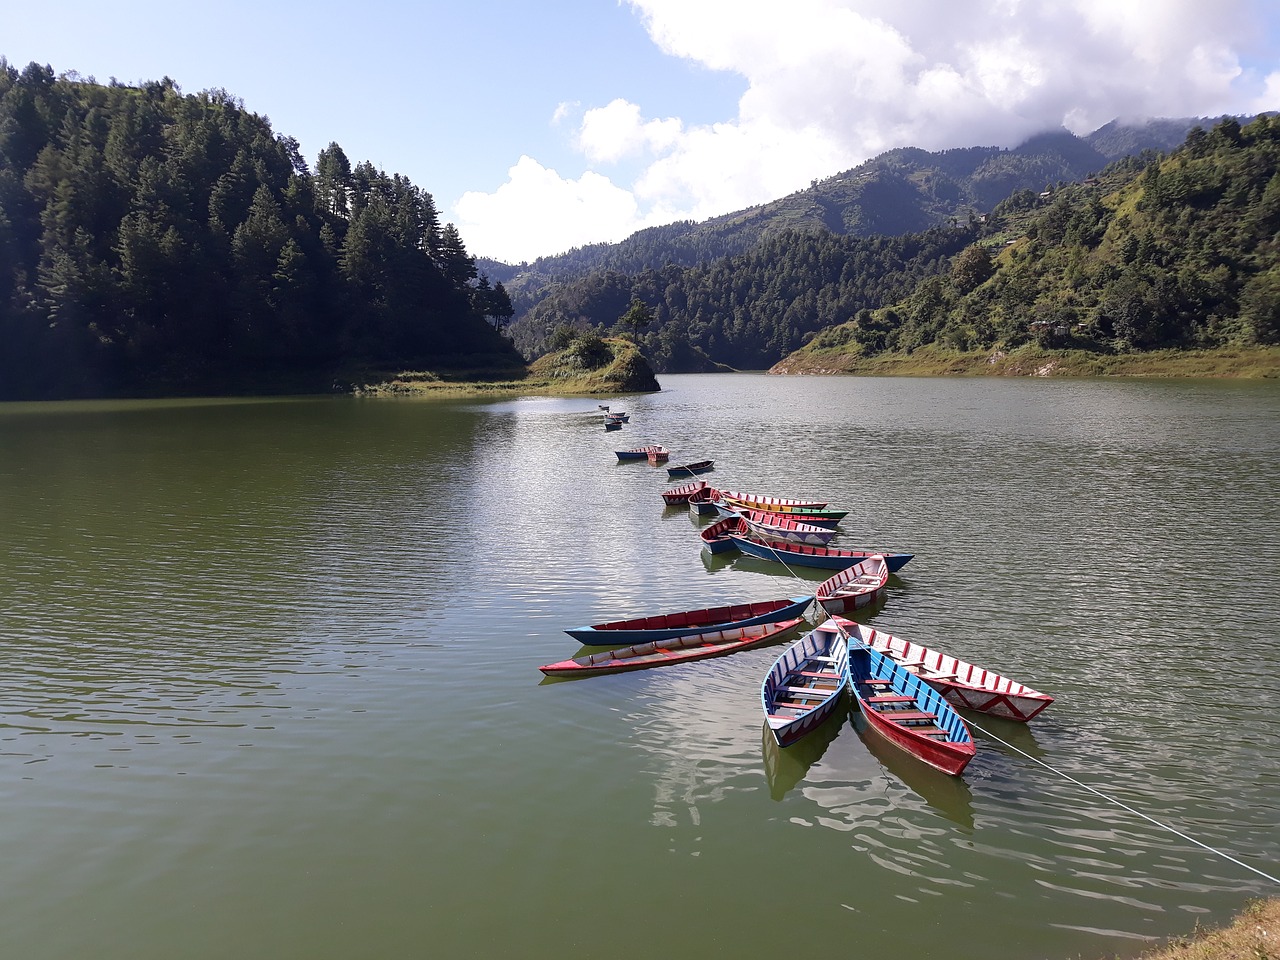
(796, 286)
(905, 190)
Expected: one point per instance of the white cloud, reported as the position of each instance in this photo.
(615, 131)
(831, 83)
(537, 211)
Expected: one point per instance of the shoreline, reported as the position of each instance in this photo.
(1252, 363)
(1253, 935)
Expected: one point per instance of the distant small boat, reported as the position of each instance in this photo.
(906, 711)
(807, 555)
(858, 586)
(702, 503)
(804, 685)
(778, 527)
(962, 683)
(662, 653)
(681, 494)
(617, 418)
(718, 536)
(690, 469)
(659, 454)
(613, 424)
(663, 626)
(604, 407)
(773, 504)
(636, 453)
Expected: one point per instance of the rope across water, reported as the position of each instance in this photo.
(1071, 779)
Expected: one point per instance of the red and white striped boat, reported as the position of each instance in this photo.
(768, 516)
(962, 684)
(682, 493)
(772, 504)
(781, 528)
(860, 585)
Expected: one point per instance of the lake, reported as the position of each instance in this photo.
(272, 685)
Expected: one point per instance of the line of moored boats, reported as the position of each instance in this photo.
(907, 693)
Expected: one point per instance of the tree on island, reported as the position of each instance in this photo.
(638, 316)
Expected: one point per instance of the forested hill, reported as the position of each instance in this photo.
(902, 191)
(1150, 252)
(153, 242)
(1181, 253)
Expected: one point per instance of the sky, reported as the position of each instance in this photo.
(542, 126)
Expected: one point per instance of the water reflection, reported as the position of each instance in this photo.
(786, 766)
(949, 796)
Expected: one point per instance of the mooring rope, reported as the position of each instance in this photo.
(1122, 804)
(1055, 770)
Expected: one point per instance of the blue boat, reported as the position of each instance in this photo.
(689, 469)
(809, 555)
(663, 626)
(904, 709)
(804, 685)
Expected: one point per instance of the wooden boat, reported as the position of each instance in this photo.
(604, 407)
(617, 418)
(773, 504)
(819, 516)
(636, 453)
(663, 626)
(662, 653)
(807, 555)
(702, 503)
(682, 493)
(905, 710)
(659, 454)
(691, 469)
(804, 685)
(718, 537)
(767, 516)
(792, 531)
(613, 424)
(858, 586)
(963, 684)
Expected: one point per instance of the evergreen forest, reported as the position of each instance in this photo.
(155, 243)
(1154, 250)
(159, 243)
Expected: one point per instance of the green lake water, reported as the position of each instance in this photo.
(271, 685)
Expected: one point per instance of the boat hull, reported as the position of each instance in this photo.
(637, 453)
(874, 678)
(663, 626)
(806, 684)
(963, 684)
(690, 469)
(807, 555)
(791, 532)
(678, 496)
(861, 585)
(772, 504)
(677, 650)
(702, 504)
(716, 538)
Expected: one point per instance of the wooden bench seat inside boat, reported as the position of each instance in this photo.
(905, 716)
(817, 674)
(890, 698)
(809, 691)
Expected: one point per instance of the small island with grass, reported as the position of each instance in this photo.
(586, 364)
